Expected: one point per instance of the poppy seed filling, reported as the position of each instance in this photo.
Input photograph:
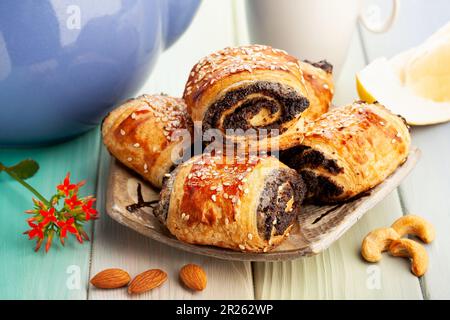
(274, 97)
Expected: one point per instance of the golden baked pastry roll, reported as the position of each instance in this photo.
(349, 150)
(140, 134)
(242, 204)
(319, 83)
(256, 87)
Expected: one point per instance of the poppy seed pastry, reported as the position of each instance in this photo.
(349, 150)
(140, 134)
(256, 87)
(246, 204)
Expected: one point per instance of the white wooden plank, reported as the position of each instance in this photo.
(426, 191)
(116, 246)
(339, 272)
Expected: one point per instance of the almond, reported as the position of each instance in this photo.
(147, 281)
(111, 279)
(194, 277)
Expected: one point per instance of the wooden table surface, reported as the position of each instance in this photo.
(337, 273)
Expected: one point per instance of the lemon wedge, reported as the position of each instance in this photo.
(415, 83)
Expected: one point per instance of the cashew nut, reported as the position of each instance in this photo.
(415, 225)
(376, 242)
(411, 249)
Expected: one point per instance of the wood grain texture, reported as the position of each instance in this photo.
(317, 228)
(426, 191)
(117, 246)
(25, 274)
(339, 272)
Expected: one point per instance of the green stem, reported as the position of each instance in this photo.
(23, 183)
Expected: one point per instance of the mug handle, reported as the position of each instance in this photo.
(371, 19)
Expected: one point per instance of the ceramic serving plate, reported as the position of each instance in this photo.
(317, 228)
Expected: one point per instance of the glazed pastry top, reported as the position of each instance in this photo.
(349, 150)
(233, 60)
(141, 134)
(213, 178)
(354, 126)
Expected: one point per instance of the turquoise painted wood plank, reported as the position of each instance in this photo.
(63, 272)
(117, 246)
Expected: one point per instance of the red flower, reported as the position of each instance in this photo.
(88, 210)
(66, 186)
(49, 216)
(67, 226)
(73, 202)
(49, 241)
(38, 203)
(36, 231)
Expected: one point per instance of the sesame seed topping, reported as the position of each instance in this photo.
(246, 191)
(133, 116)
(225, 195)
(325, 86)
(237, 59)
(242, 247)
(122, 132)
(274, 222)
(213, 197)
(183, 215)
(136, 145)
(145, 166)
(393, 141)
(250, 236)
(170, 113)
(130, 159)
(227, 221)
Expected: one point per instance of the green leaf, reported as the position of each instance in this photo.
(24, 169)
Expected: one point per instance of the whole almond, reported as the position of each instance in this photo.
(147, 281)
(194, 277)
(111, 279)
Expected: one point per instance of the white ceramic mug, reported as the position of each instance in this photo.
(313, 29)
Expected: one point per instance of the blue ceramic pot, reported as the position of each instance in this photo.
(65, 63)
